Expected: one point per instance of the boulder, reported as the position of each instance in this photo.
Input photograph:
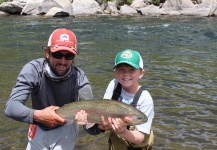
(127, 10)
(177, 5)
(151, 10)
(112, 7)
(11, 7)
(85, 8)
(138, 4)
(61, 8)
(66, 5)
(31, 7)
(57, 12)
(2, 13)
(214, 10)
(46, 5)
(203, 9)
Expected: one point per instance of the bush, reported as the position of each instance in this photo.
(1, 1)
(120, 2)
(157, 2)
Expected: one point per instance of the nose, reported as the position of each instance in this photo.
(62, 60)
(126, 72)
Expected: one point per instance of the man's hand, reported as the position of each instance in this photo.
(48, 116)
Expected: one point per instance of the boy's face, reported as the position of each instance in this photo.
(128, 76)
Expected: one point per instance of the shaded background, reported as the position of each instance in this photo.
(179, 55)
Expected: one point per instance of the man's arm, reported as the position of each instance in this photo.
(15, 107)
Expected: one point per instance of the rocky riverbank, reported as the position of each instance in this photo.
(76, 8)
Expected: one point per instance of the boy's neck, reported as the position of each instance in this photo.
(132, 90)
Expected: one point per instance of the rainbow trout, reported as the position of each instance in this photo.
(107, 108)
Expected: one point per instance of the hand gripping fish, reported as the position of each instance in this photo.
(107, 108)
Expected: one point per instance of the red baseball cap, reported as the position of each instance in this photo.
(63, 39)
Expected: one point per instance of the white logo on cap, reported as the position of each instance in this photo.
(126, 54)
(64, 37)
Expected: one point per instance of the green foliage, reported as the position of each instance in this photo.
(155, 2)
(129, 1)
(1, 1)
(119, 2)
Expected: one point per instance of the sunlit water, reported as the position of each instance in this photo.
(180, 56)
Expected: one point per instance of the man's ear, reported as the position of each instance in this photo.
(47, 53)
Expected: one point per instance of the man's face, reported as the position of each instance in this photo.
(60, 62)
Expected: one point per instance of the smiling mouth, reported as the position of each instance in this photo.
(126, 79)
(61, 65)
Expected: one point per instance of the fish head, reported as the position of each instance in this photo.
(135, 119)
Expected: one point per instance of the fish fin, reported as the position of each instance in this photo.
(89, 125)
(69, 121)
(129, 119)
(121, 124)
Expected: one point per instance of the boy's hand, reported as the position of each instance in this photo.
(81, 118)
(114, 124)
(118, 126)
(104, 125)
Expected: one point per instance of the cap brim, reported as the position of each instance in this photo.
(63, 48)
(129, 63)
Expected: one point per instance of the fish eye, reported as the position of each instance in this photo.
(139, 117)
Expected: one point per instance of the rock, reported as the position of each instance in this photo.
(177, 5)
(138, 4)
(66, 5)
(214, 10)
(57, 12)
(46, 5)
(203, 9)
(62, 8)
(11, 7)
(112, 8)
(2, 13)
(151, 10)
(31, 7)
(85, 8)
(127, 10)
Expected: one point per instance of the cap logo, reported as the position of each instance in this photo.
(64, 37)
(126, 54)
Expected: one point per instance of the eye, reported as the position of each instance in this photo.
(132, 69)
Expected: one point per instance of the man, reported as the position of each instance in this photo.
(52, 82)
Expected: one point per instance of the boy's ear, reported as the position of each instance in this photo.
(114, 71)
(142, 73)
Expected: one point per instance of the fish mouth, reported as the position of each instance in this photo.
(128, 121)
(134, 120)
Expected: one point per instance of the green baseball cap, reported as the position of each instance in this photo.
(129, 57)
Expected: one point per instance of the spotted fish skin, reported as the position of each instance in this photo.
(103, 107)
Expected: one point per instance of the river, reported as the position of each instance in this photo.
(180, 55)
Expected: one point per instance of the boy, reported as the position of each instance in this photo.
(128, 70)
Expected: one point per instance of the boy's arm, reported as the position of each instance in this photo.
(134, 136)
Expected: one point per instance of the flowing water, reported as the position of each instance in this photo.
(180, 59)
